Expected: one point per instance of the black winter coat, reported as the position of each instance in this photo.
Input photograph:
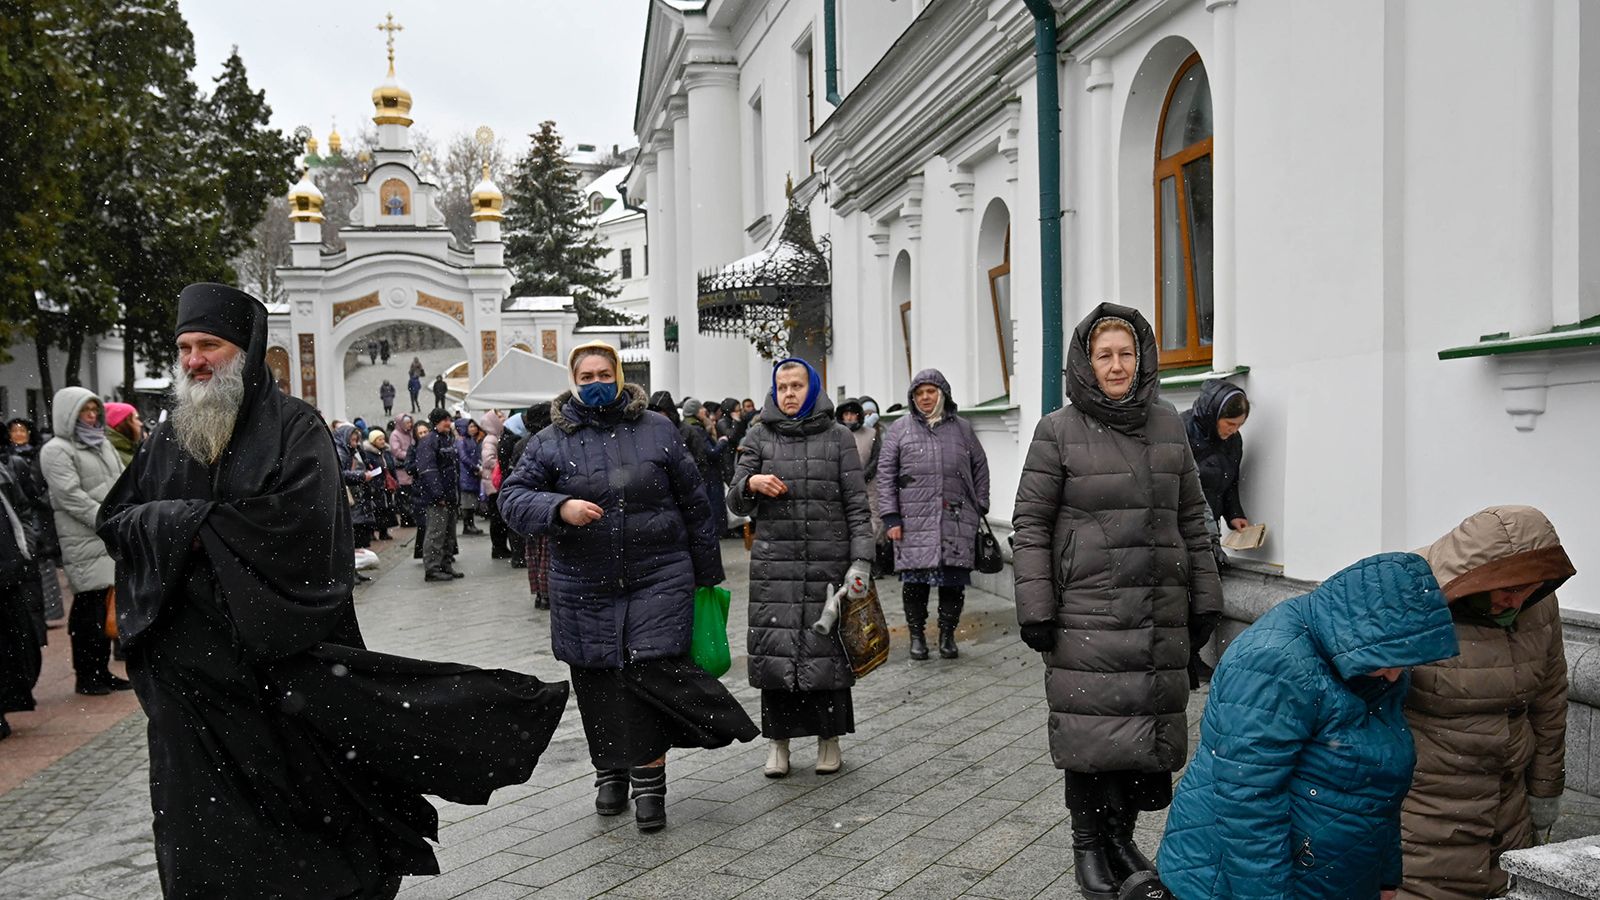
(1112, 548)
(621, 588)
(436, 477)
(805, 540)
(1215, 459)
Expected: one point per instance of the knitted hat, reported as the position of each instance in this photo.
(117, 413)
(691, 407)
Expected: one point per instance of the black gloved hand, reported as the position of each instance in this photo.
(1040, 637)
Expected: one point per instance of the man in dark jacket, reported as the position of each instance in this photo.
(440, 389)
(414, 387)
(285, 759)
(437, 487)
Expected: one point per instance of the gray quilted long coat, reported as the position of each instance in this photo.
(1111, 547)
(805, 540)
(936, 480)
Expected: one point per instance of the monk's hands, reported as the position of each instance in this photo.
(579, 513)
(767, 485)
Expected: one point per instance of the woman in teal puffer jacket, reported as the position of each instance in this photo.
(1305, 755)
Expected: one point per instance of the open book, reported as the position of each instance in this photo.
(1247, 538)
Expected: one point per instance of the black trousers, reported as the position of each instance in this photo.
(1118, 791)
(498, 532)
(915, 598)
(86, 626)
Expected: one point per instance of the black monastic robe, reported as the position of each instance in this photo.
(286, 760)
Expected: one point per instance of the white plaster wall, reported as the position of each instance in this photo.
(629, 233)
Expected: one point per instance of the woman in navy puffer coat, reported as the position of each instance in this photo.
(1305, 754)
(631, 538)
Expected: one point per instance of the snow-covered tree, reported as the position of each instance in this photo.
(551, 246)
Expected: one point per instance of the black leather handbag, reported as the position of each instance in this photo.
(987, 559)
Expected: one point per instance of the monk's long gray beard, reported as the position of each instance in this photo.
(206, 410)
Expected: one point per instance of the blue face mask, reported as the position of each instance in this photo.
(598, 393)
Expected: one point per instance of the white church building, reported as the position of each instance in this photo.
(1376, 218)
(399, 265)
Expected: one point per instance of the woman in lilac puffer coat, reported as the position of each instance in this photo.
(933, 490)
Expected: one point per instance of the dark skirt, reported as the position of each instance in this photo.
(792, 714)
(1091, 792)
(632, 716)
(944, 576)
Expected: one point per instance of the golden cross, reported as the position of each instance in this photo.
(390, 26)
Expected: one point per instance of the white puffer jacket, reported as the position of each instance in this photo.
(79, 477)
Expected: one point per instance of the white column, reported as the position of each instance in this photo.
(1527, 44)
(880, 292)
(683, 274)
(715, 207)
(971, 386)
(659, 253)
(1099, 282)
(1220, 71)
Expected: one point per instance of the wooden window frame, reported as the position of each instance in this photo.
(994, 301)
(625, 263)
(905, 332)
(811, 101)
(1194, 353)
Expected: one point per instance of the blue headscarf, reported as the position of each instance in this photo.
(814, 387)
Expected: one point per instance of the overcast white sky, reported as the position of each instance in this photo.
(508, 64)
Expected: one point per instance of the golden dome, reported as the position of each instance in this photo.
(391, 102)
(311, 146)
(305, 200)
(334, 141)
(487, 201)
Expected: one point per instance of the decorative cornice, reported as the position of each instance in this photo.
(880, 243)
(965, 186)
(1099, 75)
(1010, 133)
(677, 108)
(710, 74)
(1214, 5)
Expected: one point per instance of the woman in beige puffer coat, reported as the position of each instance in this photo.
(1490, 724)
(80, 466)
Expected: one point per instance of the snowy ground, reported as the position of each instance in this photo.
(361, 385)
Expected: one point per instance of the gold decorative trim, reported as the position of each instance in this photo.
(490, 354)
(308, 368)
(348, 308)
(455, 309)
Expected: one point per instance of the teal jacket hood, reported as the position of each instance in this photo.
(1382, 612)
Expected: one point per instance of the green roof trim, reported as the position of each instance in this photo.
(1585, 333)
(1194, 376)
(999, 406)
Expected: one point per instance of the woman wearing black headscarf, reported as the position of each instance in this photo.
(1114, 581)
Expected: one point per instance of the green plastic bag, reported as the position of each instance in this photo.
(708, 646)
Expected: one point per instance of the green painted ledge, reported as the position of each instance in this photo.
(1562, 337)
(1194, 376)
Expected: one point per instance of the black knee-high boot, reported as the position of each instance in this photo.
(649, 796)
(1123, 854)
(951, 600)
(915, 599)
(1090, 863)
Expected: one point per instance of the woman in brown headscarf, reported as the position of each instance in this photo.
(1490, 724)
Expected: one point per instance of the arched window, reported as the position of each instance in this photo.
(597, 204)
(1183, 219)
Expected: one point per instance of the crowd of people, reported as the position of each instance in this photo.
(1388, 735)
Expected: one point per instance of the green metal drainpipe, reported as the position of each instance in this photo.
(830, 50)
(1049, 101)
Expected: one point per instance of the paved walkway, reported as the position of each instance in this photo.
(947, 788)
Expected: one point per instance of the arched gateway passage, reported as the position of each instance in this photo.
(365, 370)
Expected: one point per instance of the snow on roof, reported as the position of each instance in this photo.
(607, 186)
(537, 304)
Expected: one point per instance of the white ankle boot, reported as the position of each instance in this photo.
(828, 760)
(777, 758)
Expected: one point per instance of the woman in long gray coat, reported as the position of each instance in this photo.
(80, 466)
(1114, 581)
(933, 491)
(799, 476)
